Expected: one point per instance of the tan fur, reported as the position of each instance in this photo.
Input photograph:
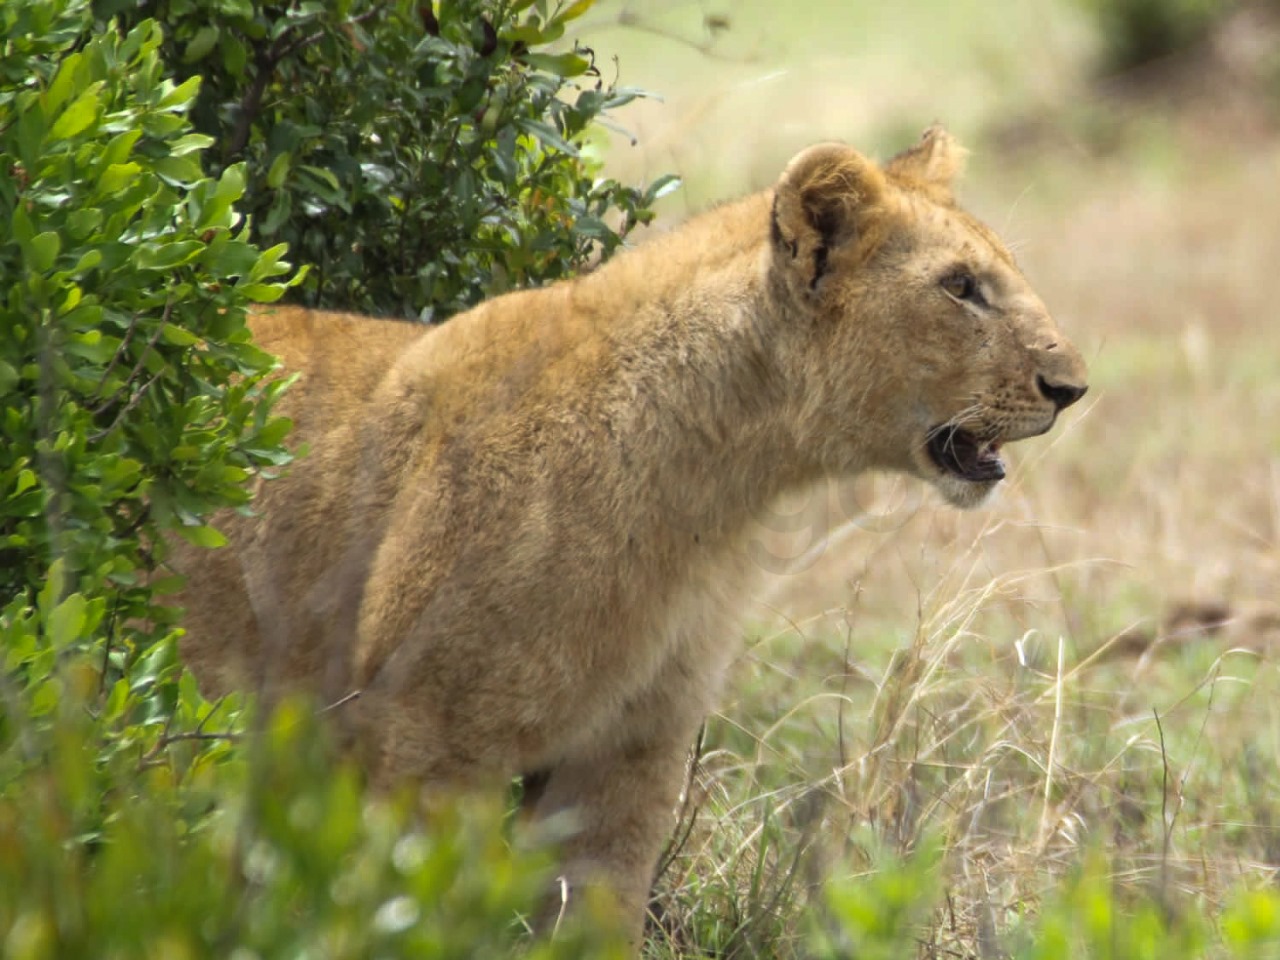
(519, 535)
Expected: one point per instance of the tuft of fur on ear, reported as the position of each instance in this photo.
(826, 200)
(932, 164)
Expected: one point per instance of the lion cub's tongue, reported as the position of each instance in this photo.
(989, 461)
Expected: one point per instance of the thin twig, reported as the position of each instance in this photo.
(142, 359)
(124, 411)
(120, 350)
(250, 104)
(151, 758)
(108, 634)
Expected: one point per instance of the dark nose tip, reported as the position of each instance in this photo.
(1062, 395)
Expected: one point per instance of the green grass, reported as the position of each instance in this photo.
(1155, 777)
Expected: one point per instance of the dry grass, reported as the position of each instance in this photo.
(1086, 664)
(1091, 662)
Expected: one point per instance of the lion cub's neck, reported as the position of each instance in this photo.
(665, 390)
(696, 377)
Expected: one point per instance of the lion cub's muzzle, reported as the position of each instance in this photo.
(973, 455)
(965, 454)
(1061, 377)
(1061, 395)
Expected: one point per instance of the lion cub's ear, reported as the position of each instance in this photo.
(825, 205)
(932, 164)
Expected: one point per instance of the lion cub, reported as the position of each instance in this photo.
(519, 535)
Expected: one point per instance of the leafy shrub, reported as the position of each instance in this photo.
(137, 819)
(419, 158)
(1136, 32)
(292, 861)
(130, 394)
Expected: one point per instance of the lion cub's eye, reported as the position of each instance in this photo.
(961, 285)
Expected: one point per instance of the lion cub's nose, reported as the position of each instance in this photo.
(1062, 395)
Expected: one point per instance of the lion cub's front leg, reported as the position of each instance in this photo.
(618, 797)
(616, 809)
(606, 788)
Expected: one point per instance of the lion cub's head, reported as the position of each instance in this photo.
(931, 350)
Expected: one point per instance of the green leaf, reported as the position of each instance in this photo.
(665, 184)
(43, 701)
(274, 432)
(63, 83)
(167, 585)
(77, 117)
(83, 221)
(91, 346)
(575, 10)
(71, 300)
(43, 250)
(21, 227)
(235, 56)
(51, 593)
(202, 536)
(240, 9)
(180, 95)
(86, 317)
(263, 292)
(231, 258)
(191, 143)
(227, 191)
(26, 481)
(279, 170)
(118, 148)
(547, 134)
(326, 175)
(162, 125)
(181, 171)
(166, 256)
(559, 64)
(527, 33)
(231, 184)
(66, 623)
(199, 46)
(281, 208)
(116, 700)
(87, 262)
(178, 336)
(117, 177)
(269, 263)
(9, 380)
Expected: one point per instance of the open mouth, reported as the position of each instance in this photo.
(966, 455)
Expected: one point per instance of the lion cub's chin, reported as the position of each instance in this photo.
(964, 494)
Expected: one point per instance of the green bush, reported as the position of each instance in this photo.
(131, 396)
(291, 860)
(1137, 32)
(419, 158)
(137, 819)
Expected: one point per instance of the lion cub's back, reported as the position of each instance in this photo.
(341, 357)
(340, 360)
